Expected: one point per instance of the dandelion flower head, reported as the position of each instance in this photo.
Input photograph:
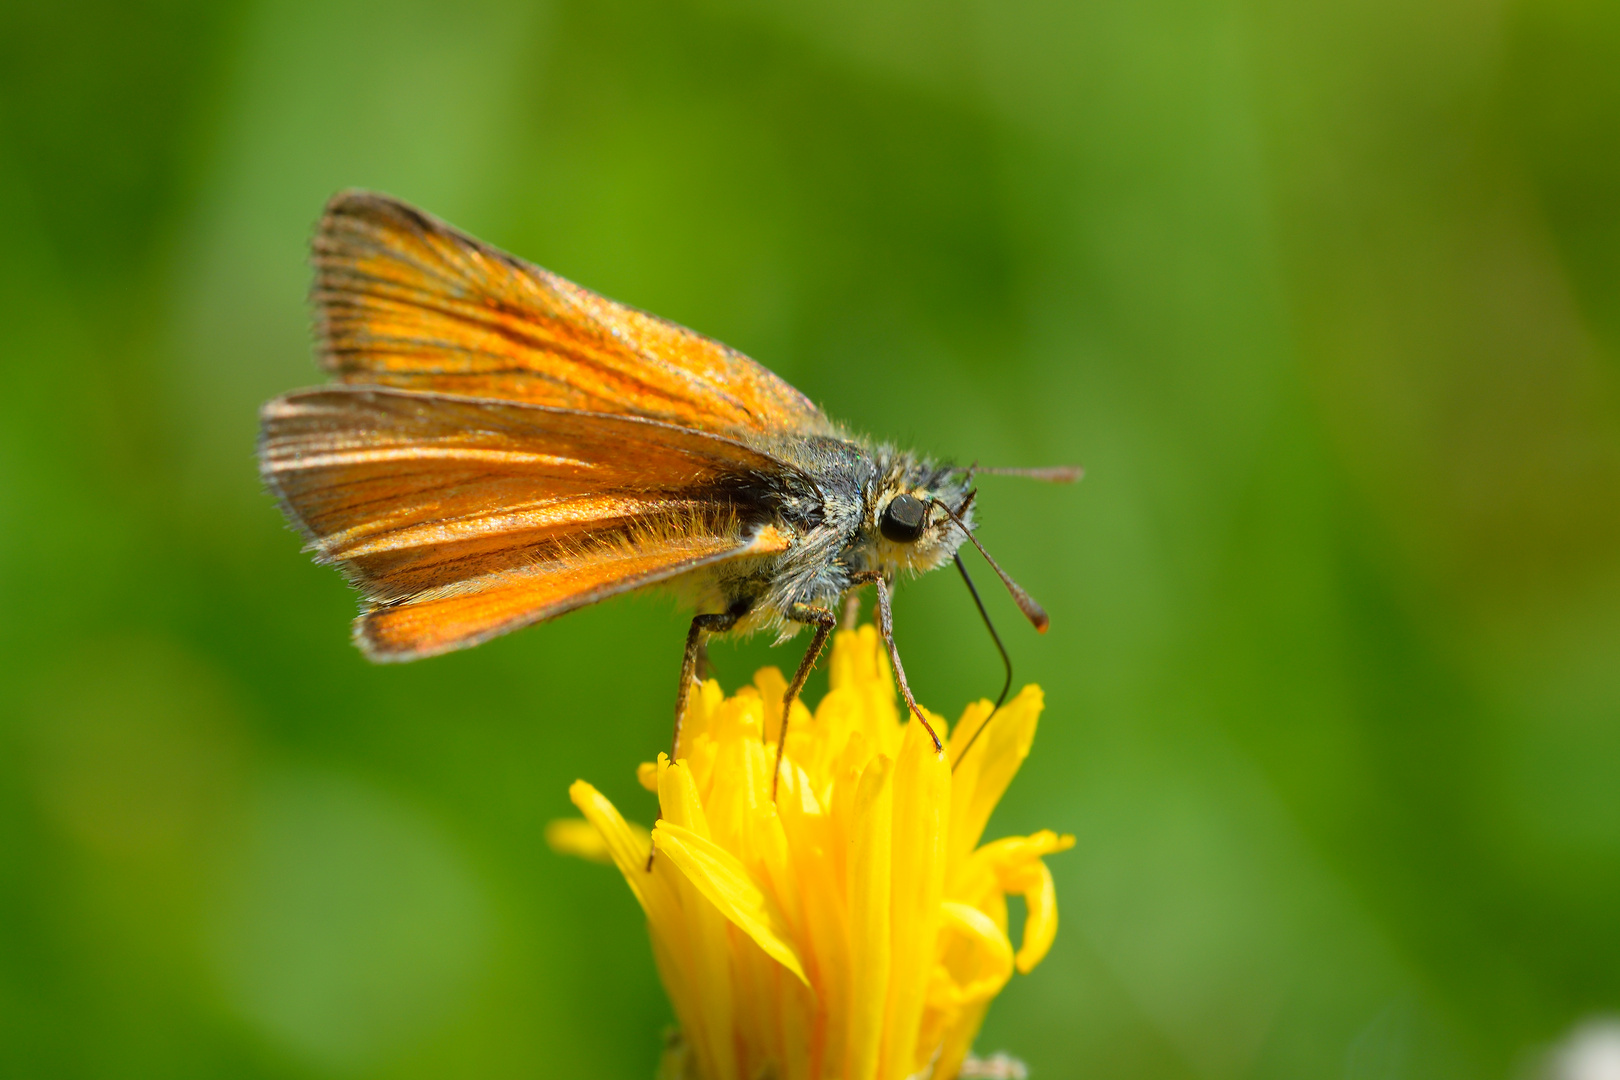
(853, 927)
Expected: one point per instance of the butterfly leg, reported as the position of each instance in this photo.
(696, 659)
(825, 623)
(886, 628)
(703, 671)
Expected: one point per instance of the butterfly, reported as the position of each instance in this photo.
(502, 446)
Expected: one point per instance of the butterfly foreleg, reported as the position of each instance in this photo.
(825, 623)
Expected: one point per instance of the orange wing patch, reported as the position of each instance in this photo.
(405, 300)
(460, 519)
(601, 565)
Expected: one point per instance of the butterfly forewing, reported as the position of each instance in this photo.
(405, 300)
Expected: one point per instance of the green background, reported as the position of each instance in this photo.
(1326, 297)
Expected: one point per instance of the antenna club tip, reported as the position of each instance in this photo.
(1052, 474)
(1032, 611)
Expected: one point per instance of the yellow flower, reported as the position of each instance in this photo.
(854, 928)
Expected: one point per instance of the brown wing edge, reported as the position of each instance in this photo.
(363, 202)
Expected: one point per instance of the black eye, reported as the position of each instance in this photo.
(903, 519)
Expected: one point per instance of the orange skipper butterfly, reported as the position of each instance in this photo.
(502, 446)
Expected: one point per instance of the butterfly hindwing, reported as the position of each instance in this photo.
(460, 519)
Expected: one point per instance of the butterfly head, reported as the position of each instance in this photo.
(918, 515)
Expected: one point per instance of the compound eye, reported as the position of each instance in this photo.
(903, 519)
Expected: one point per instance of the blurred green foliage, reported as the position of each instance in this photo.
(1326, 298)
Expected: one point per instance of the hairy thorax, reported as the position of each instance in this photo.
(835, 528)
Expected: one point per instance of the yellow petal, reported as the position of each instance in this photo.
(773, 865)
(821, 748)
(720, 877)
(858, 677)
(922, 800)
(818, 855)
(1013, 865)
(676, 976)
(975, 962)
(579, 838)
(705, 930)
(700, 705)
(844, 786)
(701, 760)
(647, 775)
(1040, 919)
(869, 868)
(759, 979)
(959, 1040)
(987, 869)
(628, 852)
(658, 896)
(974, 952)
(678, 799)
(729, 805)
(988, 766)
(739, 715)
(655, 891)
(771, 683)
(772, 688)
(745, 763)
(796, 1012)
(967, 728)
(848, 657)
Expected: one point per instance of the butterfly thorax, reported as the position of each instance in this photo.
(835, 520)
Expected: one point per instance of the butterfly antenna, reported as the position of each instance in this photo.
(1026, 603)
(1006, 662)
(1051, 474)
